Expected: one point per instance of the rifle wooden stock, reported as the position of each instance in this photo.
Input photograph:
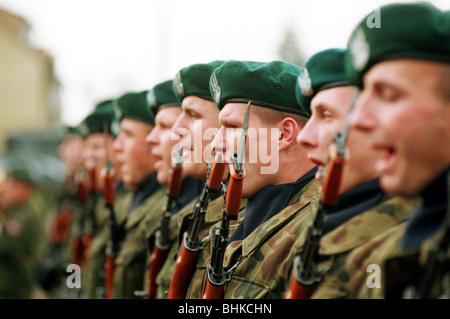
(304, 276)
(234, 192)
(331, 182)
(111, 250)
(162, 245)
(216, 275)
(109, 276)
(191, 245)
(77, 250)
(89, 234)
(175, 182)
(216, 174)
(212, 291)
(157, 260)
(184, 269)
(82, 196)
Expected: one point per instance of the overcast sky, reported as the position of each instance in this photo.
(103, 48)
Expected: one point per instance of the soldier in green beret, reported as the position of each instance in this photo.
(279, 189)
(403, 69)
(57, 254)
(102, 128)
(363, 212)
(21, 233)
(137, 166)
(167, 109)
(197, 125)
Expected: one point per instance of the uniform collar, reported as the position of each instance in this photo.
(268, 202)
(147, 187)
(427, 219)
(354, 202)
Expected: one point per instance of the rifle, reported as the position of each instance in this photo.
(305, 276)
(162, 235)
(112, 245)
(81, 194)
(216, 274)
(192, 245)
(90, 229)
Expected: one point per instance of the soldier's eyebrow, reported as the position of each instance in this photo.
(227, 119)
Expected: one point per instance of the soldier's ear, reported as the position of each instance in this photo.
(288, 132)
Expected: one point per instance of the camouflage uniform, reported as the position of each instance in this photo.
(190, 189)
(406, 272)
(131, 260)
(21, 234)
(165, 274)
(212, 222)
(96, 254)
(346, 251)
(261, 262)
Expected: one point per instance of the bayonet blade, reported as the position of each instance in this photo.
(241, 150)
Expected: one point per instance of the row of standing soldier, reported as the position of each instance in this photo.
(201, 220)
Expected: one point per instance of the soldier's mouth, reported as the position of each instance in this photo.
(387, 162)
(320, 173)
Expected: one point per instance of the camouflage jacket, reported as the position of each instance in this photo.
(214, 213)
(188, 195)
(164, 277)
(179, 225)
(348, 254)
(415, 272)
(151, 226)
(131, 260)
(95, 285)
(259, 265)
(21, 237)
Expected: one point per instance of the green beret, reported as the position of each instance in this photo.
(134, 105)
(406, 31)
(21, 174)
(194, 80)
(161, 96)
(322, 71)
(71, 130)
(101, 120)
(267, 84)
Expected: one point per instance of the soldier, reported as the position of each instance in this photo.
(69, 151)
(138, 174)
(101, 129)
(167, 108)
(360, 203)
(279, 189)
(197, 125)
(404, 110)
(59, 232)
(21, 233)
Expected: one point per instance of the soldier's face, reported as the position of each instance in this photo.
(197, 125)
(259, 141)
(133, 154)
(94, 154)
(70, 150)
(163, 142)
(401, 109)
(329, 112)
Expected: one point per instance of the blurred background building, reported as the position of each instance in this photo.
(30, 106)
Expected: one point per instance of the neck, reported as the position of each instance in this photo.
(292, 167)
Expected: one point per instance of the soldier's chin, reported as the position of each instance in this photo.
(196, 170)
(320, 172)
